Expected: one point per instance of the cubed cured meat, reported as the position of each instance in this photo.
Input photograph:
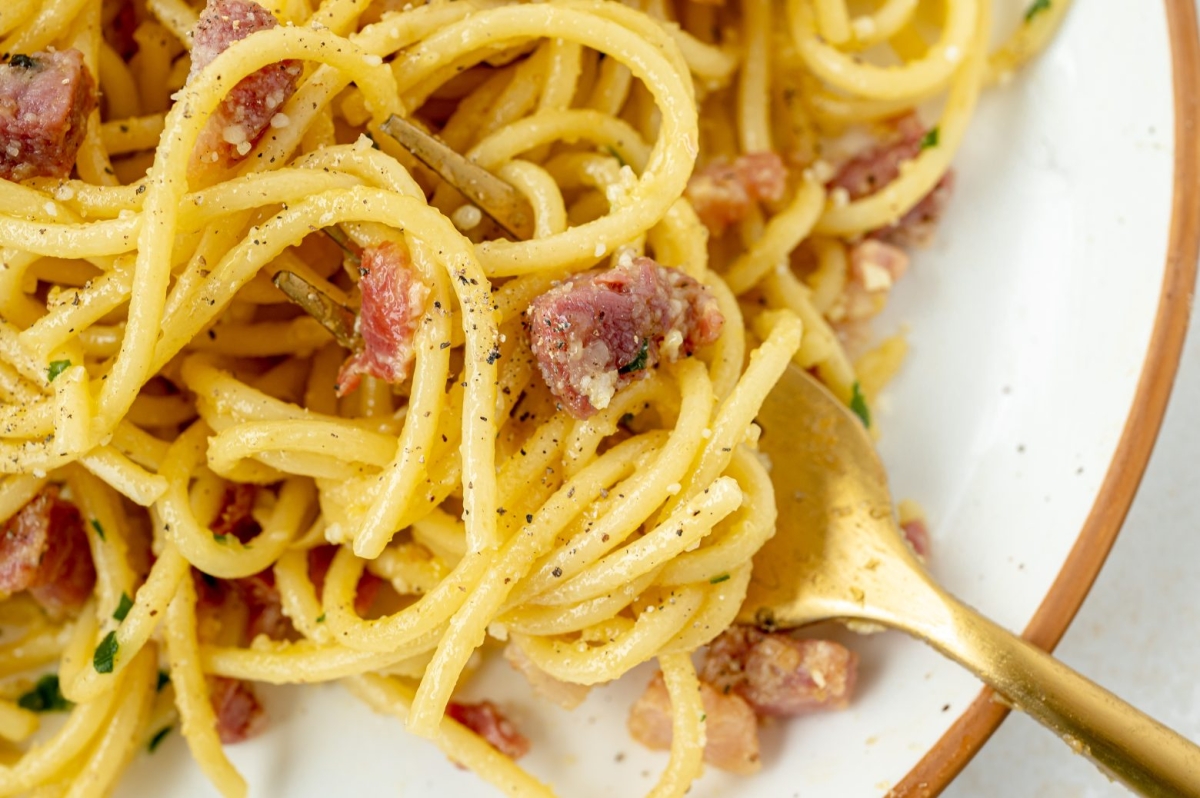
(722, 193)
(731, 728)
(240, 715)
(45, 100)
(598, 331)
(393, 300)
(917, 534)
(486, 720)
(872, 170)
(875, 266)
(44, 549)
(247, 109)
(779, 675)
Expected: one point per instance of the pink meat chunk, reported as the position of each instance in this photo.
(248, 108)
(44, 549)
(240, 715)
(731, 728)
(917, 534)
(779, 675)
(880, 165)
(722, 193)
(393, 300)
(875, 266)
(45, 100)
(598, 331)
(486, 720)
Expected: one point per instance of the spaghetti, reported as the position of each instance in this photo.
(547, 442)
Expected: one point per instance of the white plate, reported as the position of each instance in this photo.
(1029, 320)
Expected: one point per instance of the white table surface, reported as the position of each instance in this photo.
(1138, 633)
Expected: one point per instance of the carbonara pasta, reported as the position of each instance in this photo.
(546, 444)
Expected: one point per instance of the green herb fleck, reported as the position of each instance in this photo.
(157, 739)
(123, 606)
(164, 679)
(716, 580)
(639, 362)
(703, 717)
(45, 696)
(613, 152)
(321, 618)
(220, 538)
(858, 404)
(57, 367)
(930, 139)
(1037, 7)
(99, 529)
(106, 652)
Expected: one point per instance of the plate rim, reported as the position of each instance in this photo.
(967, 735)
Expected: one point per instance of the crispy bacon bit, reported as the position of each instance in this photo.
(731, 730)
(565, 694)
(240, 716)
(917, 535)
(598, 331)
(249, 106)
(44, 549)
(319, 560)
(45, 100)
(486, 720)
(722, 193)
(235, 517)
(779, 675)
(393, 300)
(880, 165)
(875, 266)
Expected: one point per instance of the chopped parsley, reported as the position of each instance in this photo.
(1037, 7)
(613, 152)
(220, 538)
(106, 653)
(157, 739)
(639, 362)
(321, 618)
(716, 580)
(99, 529)
(123, 606)
(57, 367)
(45, 696)
(703, 717)
(858, 404)
(164, 679)
(930, 139)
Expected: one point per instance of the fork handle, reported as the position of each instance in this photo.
(1125, 743)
